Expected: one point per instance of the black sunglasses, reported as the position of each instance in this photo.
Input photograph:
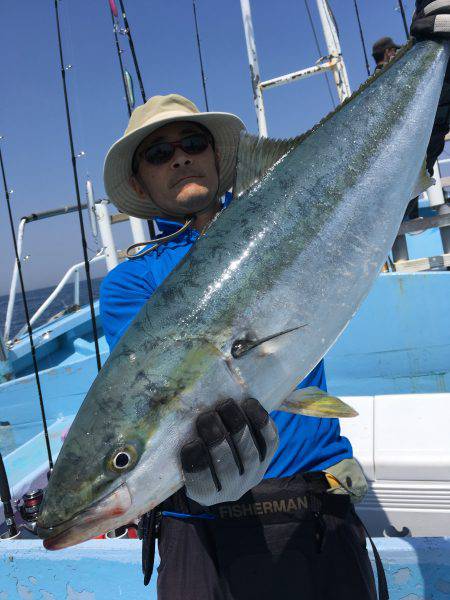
(162, 152)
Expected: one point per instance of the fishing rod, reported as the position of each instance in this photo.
(77, 191)
(405, 23)
(200, 56)
(114, 16)
(27, 315)
(126, 77)
(361, 35)
(127, 32)
(5, 497)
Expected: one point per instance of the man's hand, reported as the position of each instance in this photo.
(232, 453)
(431, 19)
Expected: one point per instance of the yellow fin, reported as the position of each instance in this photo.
(424, 181)
(314, 402)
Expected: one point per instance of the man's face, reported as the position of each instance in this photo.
(389, 54)
(185, 184)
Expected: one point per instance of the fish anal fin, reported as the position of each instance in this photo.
(314, 402)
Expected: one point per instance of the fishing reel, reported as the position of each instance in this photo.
(29, 507)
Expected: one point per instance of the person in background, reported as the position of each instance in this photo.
(383, 51)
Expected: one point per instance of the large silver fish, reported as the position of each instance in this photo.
(256, 304)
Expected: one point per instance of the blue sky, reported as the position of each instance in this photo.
(32, 117)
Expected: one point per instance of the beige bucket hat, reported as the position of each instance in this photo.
(156, 112)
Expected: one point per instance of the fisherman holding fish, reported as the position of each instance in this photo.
(182, 162)
(267, 506)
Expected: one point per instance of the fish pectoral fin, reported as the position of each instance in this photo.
(424, 181)
(314, 402)
(240, 347)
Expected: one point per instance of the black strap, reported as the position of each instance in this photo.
(383, 592)
(148, 533)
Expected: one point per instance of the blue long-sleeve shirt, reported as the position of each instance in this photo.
(306, 443)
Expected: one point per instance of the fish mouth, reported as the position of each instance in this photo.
(102, 516)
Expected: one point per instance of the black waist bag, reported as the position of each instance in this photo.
(284, 539)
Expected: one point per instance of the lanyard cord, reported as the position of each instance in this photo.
(156, 242)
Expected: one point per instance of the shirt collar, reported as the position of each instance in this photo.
(166, 226)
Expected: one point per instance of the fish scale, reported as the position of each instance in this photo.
(297, 251)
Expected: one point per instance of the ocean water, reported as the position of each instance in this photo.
(36, 297)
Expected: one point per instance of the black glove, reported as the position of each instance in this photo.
(431, 19)
(231, 455)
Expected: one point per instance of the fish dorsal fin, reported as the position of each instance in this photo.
(255, 156)
(314, 402)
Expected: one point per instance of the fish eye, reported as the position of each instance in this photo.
(122, 459)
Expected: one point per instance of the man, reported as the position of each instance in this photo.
(175, 163)
(383, 51)
(294, 534)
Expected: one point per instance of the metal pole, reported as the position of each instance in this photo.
(323, 67)
(137, 229)
(6, 372)
(76, 288)
(254, 67)
(334, 49)
(91, 205)
(54, 212)
(400, 249)
(104, 225)
(444, 209)
(73, 269)
(435, 193)
(15, 276)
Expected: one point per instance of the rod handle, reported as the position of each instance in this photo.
(5, 495)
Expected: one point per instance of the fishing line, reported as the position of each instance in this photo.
(361, 34)
(77, 191)
(27, 316)
(311, 22)
(405, 24)
(127, 32)
(119, 56)
(200, 56)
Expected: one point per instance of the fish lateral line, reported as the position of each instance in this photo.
(240, 347)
